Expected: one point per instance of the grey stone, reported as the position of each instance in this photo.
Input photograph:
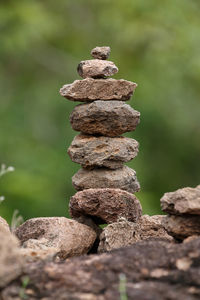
(124, 233)
(96, 68)
(110, 118)
(10, 258)
(91, 151)
(68, 237)
(105, 205)
(100, 52)
(123, 178)
(182, 227)
(89, 89)
(182, 201)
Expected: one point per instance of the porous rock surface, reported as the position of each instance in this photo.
(123, 178)
(101, 52)
(152, 270)
(182, 201)
(105, 205)
(10, 257)
(89, 89)
(68, 237)
(124, 233)
(182, 227)
(4, 225)
(96, 68)
(110, 118)
(91, 151)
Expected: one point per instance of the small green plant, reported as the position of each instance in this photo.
(22, 293)
(16, 220)
(3, 171)
(122, 287)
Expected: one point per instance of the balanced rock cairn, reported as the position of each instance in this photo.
(105, 186)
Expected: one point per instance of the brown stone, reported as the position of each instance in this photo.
(124, 233)
(123, 178)
(105, 205)
(101, 52)
(147, 270)
(182, 227)
(96, 68)
(91, 151)
(182, 201)
(110, 118)
(89, 89)
(68, 237)
(4, 225)
(10, 257)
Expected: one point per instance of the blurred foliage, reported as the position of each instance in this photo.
(154, 43)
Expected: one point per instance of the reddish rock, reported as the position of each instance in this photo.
(105, 205)
(91, 151)
(96, 68)
(101, 52)
(182, 201)
(123, 178)
(110, 118)
(124, 233)
(68, 237)
(90, 89)
(182, 227)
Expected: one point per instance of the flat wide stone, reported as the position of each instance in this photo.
(90, 89)
(124, 233)
(105, 205)
(110, 118)
(123, 178)
(91, 151)
(96, 68)
(182, 227)
(68, 237)
(101, 52)
(182, 201)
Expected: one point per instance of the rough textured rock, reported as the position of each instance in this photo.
(182, 201)
(182, 227)
(68, 237)
(147, 270)
(105, 205)
(124, 233)
(89, 89)
(90, 151)
(96, 68)
(110, 118)
(123, 178)
(101, 52)
(10, 258)
(4, 225)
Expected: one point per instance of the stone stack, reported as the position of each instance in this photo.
(105, 185)
(183, 208)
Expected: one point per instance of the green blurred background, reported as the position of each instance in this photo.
(154, 43)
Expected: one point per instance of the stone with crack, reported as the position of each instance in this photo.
(110, 118)
(123, 178)
(124, 233)
(90, 89)
(182, 201)
(68, 237)
(91, 151)
(96, 68)
(105, 205)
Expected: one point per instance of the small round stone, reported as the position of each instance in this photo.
(96, 68)
(101, 52)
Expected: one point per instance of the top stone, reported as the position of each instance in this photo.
(101, 52)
